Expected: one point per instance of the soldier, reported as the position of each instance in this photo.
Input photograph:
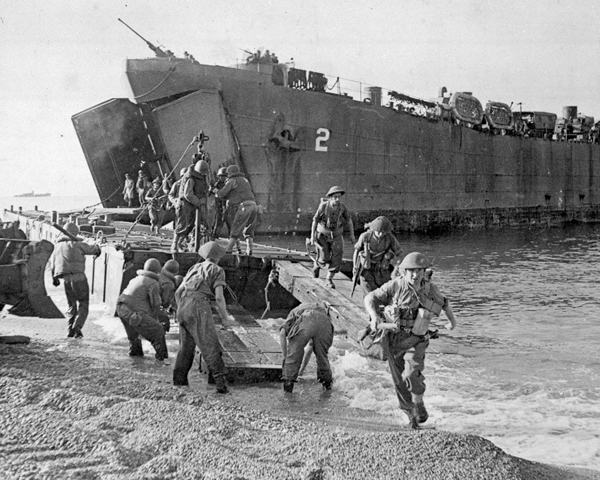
(167, 282)
(374, 253)
(138, 308)
(408, 302)
(326, 233)
(173, 194)
(156, 199)
(128, 189)
(195, 318)
(68, 262)
(307, 323)
(240, 199)
(142, 185)
(221, 210)
(192, 197)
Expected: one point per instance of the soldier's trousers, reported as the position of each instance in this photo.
(78, 298)
(321, 333)
(330, 250)
(196, 329)
(140, 323)
(406, 353)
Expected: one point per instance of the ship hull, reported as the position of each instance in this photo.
(293, 145)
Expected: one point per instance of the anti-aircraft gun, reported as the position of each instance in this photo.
(159, 52)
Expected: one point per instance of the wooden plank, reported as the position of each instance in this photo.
(346, 316)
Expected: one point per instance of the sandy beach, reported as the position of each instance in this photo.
(83, 409)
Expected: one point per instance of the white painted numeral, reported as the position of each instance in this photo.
(322, 137)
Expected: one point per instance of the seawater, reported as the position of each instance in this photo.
(522, 368)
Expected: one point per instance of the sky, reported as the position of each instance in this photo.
(58, 58)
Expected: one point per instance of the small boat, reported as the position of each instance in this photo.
(33, 194)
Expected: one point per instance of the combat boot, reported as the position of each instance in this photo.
(288, 386)
(329, 281)
(221, 385)
(420, 412)
(249, 245)
(316, 269)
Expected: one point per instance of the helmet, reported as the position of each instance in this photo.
(183, 171)
(231, 169)
(72, 228)
(211, 250)
(334, 190)
(415, 260)
(157, 180)
(140, 172)
(202, 167)
(171, 266)
(222, 172)
(152, 265)
(381, 224)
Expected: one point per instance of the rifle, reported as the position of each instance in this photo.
(159, 52)
(356, 277)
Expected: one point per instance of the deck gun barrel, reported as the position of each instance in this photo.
(159, 52)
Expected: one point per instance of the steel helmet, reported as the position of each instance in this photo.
(72, 228)
(381, 224)
(211, 250)
(152, 265)
(222, 172)
(202, 167)
(231, 169)
(415, 260)
(183, 171)
(171, 266)
(334, 190)
(156, 180)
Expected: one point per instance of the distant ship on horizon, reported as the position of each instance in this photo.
(33, 194)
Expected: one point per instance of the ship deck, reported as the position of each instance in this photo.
(251, 353)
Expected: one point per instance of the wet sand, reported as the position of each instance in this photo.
(83, 409)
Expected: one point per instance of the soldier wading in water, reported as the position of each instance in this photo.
(409, 302)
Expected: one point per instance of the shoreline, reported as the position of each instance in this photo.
(83, 409)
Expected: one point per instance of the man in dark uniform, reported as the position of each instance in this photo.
(221, 210)
(192, 197)
(326, 233)
(240, 199)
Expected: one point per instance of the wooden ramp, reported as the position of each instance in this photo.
(347, 313)
(251, 353)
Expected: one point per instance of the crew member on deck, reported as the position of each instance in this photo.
(142, 186)
(326, 233)
(192, 197)
(156, 199)
(221, 210)
(237, 192)
(129, 190)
